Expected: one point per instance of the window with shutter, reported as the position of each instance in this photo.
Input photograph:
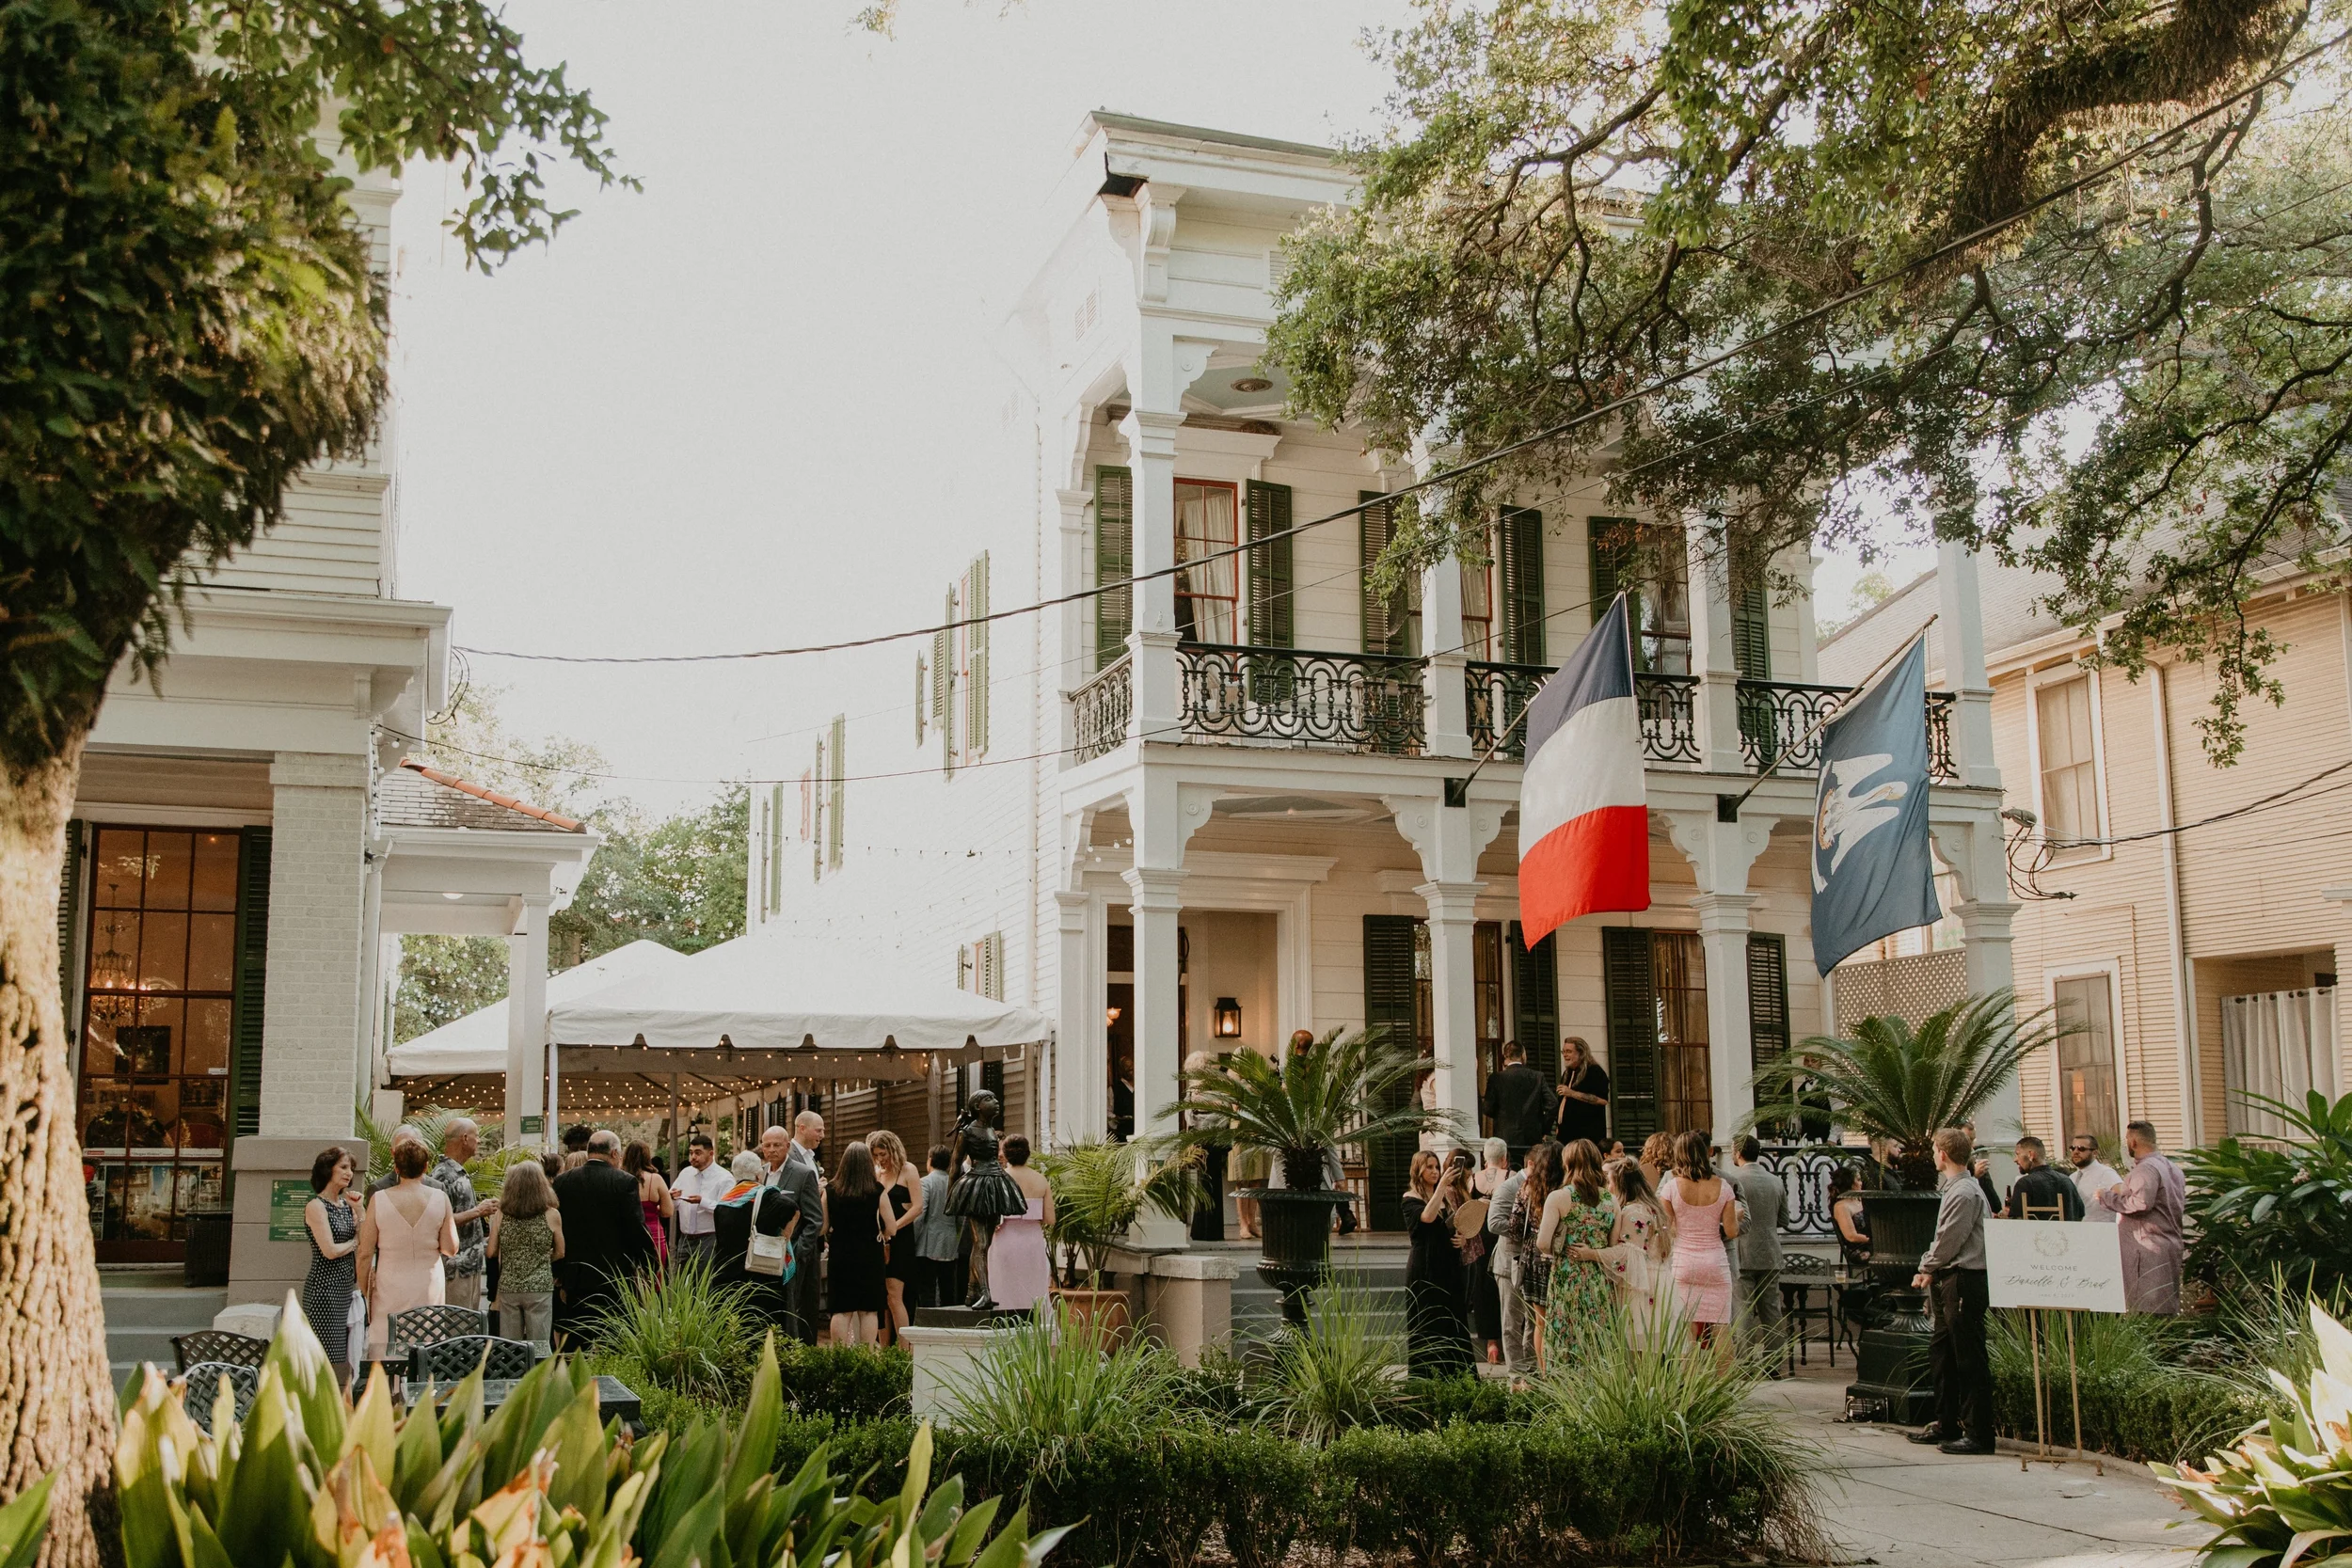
(1751, 628)
(1270, 584)
(1536, 1000)
(1519, 561)
(1391, 621)
(252, 980)
(840, 791)
(70, 932)
(976, 687)
(1114, 563)
(773, 902)
(1392, 1002)
(944, 686)
(1660, 607)
(1630, 1000)
(1768, 1004)
(816, 823)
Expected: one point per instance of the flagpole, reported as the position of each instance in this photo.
(1457, 791)
(1733, 803)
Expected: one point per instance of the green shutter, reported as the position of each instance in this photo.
(1270, 579)
(1388, 618)
(1536, 1000)
(1390, 993)
(70, 929)
(817, 807)
(1751, 630)
(976, 694)
(1114, 563)
(1630, 998)
(944, 684)
(1520, 552)
(1768, 1000)
(840, 790)
(252, 981)
(1615, 552)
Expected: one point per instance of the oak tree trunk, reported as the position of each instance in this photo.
(56, 1396)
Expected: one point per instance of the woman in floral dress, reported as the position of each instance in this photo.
(1637, 1260)
(1576, 1217)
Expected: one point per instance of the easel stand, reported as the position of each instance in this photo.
(2042, 1450)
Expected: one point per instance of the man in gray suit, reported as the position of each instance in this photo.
(1759, 1249)
(796, 1178)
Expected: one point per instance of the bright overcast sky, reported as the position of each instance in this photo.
(727, 412)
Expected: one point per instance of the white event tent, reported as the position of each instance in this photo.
(476, 1043)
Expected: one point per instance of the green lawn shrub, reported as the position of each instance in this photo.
(2146, 1393)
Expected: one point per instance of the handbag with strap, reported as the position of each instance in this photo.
(771, 1257)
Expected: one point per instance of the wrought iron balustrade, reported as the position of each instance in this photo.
(1499, 694)
(1359, 701)
(1779, 724)
(1098, 709)
(1668, 706)
(1804, 1170)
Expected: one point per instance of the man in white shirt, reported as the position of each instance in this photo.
(701, 1184)
(2092, 1176)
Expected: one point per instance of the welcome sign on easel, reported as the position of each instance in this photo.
(2054, 1265)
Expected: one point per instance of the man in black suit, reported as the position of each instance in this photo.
(792, 1171)
(1518, 1103)
(605, 1240)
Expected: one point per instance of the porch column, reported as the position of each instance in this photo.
(1158, 905)
(1154, 711)
(1708, 572)
(1730, 1050)
(1453, 999)
(1082, 1110)
(1985, 942)
(1077, 660)
(527, 1051)
(1960, 636)
(312, 1012)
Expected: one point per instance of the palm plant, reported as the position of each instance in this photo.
(2283, 1205)
(1346, 1090)
(1101, 1189)
(1334, 1370)
(1903, 1084)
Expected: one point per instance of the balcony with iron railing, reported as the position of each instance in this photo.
(1378, 703)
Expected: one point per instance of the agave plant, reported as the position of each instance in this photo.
(1101, 1189)
(2283, 1495)
(1345, 1091)
(1892, 1081)
(306, 1480)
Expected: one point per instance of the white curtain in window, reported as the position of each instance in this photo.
(2280, 1045)
(1204, 525)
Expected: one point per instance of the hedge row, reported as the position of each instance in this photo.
(1480, 1493)
(2160, 1416)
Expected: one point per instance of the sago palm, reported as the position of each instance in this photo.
(1892, 1081)
(1345, 1090)
(1101, 1189)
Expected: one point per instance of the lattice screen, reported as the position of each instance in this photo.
(1908, 988)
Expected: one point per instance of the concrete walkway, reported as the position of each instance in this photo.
(1907, 1506)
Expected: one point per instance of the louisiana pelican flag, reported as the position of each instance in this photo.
(1872, 875)
(1583, 828)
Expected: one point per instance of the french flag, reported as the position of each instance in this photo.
(1583, 828)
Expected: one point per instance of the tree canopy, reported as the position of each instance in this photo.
(2133, 381)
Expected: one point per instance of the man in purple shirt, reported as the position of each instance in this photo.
(2147, 1205)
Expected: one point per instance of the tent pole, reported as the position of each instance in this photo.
(677, 1157)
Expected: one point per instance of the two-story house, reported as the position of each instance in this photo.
(1223, 790)
(2187, 921)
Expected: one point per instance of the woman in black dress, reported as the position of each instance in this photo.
(334, 1227)
(1437, 1326)
(901, 1188)
(854, 1273)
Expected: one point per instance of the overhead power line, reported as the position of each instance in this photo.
(1541, 437)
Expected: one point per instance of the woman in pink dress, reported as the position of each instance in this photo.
(1020, 1272)
(407, 1231)
(1702, 1215)
(653, 1198)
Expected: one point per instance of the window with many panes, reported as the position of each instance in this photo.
(159, 986)
(2066, 736)
(2087, 1102)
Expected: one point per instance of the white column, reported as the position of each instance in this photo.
(1445, 668)
(527, 1048)
(1985, 937)
(1960, 635)
(1707, 563)
(1082, 1109)
(312, 1016)
(1157, 710)
(1731, 1054)
(1159, 904)
(1453, 998)
(1077, 648)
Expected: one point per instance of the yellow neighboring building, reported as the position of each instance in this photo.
(2199, 950)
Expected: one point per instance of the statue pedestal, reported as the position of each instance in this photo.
(944, 1355)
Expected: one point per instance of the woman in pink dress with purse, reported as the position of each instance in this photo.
(1702, 1215)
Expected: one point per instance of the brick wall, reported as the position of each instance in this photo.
(312, 1012)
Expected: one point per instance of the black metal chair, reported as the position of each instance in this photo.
(204, 1388)
(448, 1361)
(1800, 1278)
(216, 1344)
(425, 1325)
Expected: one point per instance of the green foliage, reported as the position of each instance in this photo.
(1101, 1189)
(1346, 1092)
(444, 978)
(2283, 1495)
(196, 317)
(1332, 1372)
(24, 1524)
(684, 1332)
(2255, 1208)
(307, 1480)
(1892, 1081)
(1045, 1388)
(1576, 199)
(488, 1166)
(2141, 1397)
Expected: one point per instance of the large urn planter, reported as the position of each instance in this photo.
(1892, 1381)
(1295, 1243)
(1102, 1315)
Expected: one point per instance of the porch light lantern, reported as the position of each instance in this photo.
(1227, 1019)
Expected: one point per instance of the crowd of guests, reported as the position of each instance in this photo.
(549, 1253)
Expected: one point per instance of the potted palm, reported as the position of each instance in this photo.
(1902, 1084)
(1343, 1091)
(1100, 1191)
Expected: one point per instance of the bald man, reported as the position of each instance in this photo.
(792, 1171)
(605, 1240)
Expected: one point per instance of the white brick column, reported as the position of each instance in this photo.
(1707, 567)
(1960, 636)
(1453, 998)
(313, 1013)
(527, 1026)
